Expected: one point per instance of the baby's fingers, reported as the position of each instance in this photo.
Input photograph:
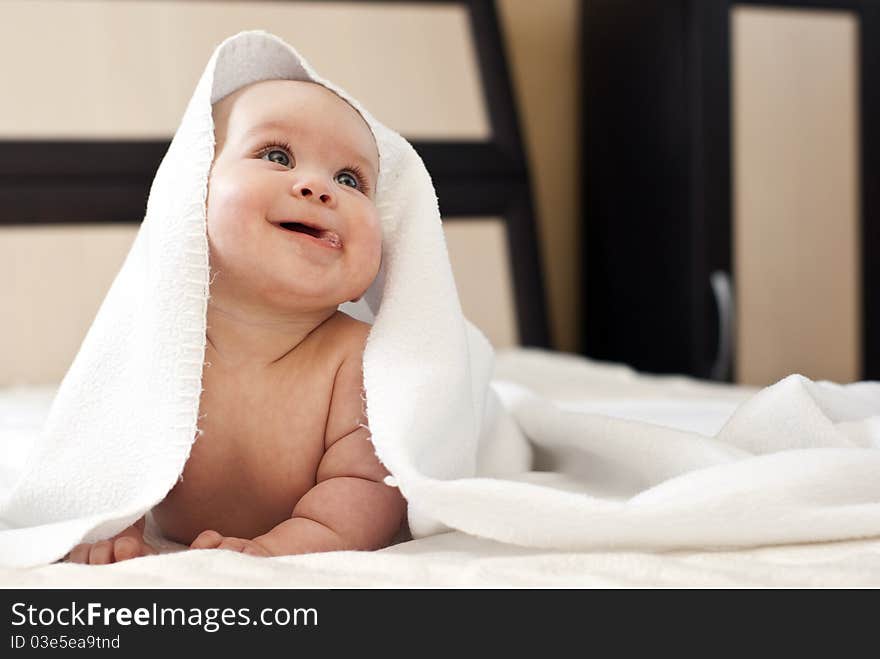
(255, 549)
(101, 553)
(127, 547)
(79, 554)
(207, 540)
(233, 544)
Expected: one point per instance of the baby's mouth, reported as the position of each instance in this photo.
(330, 237)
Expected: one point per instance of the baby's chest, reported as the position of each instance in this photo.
(257, 455)
(267, 450)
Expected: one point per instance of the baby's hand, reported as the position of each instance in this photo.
(128, 544)
(213, 540)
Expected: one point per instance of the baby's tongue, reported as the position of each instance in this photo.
(330, 237)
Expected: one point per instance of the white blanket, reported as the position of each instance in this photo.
(459, 560)
(796, 463)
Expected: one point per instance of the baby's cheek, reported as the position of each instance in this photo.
(376, 261)
(374, 239)
(228, 206)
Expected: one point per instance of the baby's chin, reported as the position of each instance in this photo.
(291, 302)
(289, 290)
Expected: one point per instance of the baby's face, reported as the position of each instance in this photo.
(293, 153)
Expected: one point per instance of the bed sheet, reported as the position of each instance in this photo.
(455, 559)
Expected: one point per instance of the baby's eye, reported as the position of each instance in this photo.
(278, 156)
(347, 178)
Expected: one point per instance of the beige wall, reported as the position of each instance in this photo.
(123, 70)
(544, 59)
(796, 194)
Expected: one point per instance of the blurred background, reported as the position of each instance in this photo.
(681, 186)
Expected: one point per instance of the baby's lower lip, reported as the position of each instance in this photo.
(329, 244)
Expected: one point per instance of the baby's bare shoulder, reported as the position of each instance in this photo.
(352, 326)
(343, 335)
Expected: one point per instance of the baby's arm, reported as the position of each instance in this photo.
(350, 507)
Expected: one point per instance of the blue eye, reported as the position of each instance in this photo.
(346, 178)
(277, 156)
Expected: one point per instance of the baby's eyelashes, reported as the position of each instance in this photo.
(272, 151)
(281, 148)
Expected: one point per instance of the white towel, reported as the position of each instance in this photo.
(125, 416)
(798, 462)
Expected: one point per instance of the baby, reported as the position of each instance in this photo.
(285, 464)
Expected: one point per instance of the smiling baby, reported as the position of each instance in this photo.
(284, 463)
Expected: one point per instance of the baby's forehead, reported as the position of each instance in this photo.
(273, 100)
(294, 89)
(279, 103)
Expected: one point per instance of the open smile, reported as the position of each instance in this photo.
(323, 237)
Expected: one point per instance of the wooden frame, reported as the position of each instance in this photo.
(657, 178)
(472, 179)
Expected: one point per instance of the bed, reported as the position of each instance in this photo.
(46, 214)
(455, 559)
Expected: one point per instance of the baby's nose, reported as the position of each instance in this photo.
(313, 190)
